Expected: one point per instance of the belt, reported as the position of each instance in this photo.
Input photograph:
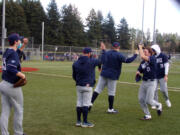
(148, 80)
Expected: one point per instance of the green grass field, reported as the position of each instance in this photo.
(50, 101)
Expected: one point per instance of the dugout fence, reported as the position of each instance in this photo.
(69, 53)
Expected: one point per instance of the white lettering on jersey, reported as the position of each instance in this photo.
(161, 65)
(159, 60)
(144, 65)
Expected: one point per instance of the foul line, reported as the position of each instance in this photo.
(175, 89)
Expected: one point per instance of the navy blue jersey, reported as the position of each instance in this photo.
(10, 66)
(112, 63)
(21, 55)
(84, 71)
(148, 68)
(161, 60)
(97, 63)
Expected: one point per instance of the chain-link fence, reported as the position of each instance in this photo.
(69, 53)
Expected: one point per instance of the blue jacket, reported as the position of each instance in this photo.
(11, 66)
(112, 63)
(161, 60)
(84, 71)
(148, 68)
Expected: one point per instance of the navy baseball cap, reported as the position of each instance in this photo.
(13, 37)
(116, 44)
(87, 50)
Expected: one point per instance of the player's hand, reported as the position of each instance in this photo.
(138, 76)
(99, 69)
(137, 52)
(141, 46)
(103, 47)
(166, 78)
(138, 73)
(21, 75)
(20, 83)
(25, 41)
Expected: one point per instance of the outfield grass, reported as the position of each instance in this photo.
(50, 101)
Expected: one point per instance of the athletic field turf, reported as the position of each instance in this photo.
(50, 101)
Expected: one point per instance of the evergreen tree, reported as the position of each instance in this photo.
(35, 15)
(123, 34)
(94, 28)
(53, 25)
(100, 16)
(109, 31)
(73, 29)
(15, 19)
(132, 33)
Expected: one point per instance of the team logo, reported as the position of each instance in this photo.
(13, 61)
(148, 69)
(144, 65)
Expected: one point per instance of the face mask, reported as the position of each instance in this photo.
(19, 46)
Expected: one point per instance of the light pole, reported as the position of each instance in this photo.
(3, 26)
(42, 40)
(142, 40)
(154, 32)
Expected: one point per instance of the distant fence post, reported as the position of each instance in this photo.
(42, 40)
(70, 52)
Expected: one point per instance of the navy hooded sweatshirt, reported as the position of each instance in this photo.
(84, 71)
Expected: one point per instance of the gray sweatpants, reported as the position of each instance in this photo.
(84, 95)
(11, 98)
(111, 85)
(146, 95)
(163, 89)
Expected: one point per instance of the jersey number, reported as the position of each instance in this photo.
(4, 64)
(148, 69)
(161, 65)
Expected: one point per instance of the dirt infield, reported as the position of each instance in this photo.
(26, 69)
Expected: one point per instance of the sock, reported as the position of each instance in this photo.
(85, 113)
(79, 111)
(111, 101)
(95, 95)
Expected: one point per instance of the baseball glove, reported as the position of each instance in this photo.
(20, 83)
(138, 77)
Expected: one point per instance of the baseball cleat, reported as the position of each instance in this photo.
(78, 123)
(168, 103)
(87, 125)
(159, 109)
(112, 111)
(153, 107)
(146, 117)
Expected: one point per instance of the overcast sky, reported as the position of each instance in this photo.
(167, 16)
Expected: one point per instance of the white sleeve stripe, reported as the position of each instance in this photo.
(11, 65)
(166, 65)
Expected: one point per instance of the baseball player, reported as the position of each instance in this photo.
(20, 48)
(162, 74)
(11, 97)
(148, 86)
(84, 75)
(112, 62)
